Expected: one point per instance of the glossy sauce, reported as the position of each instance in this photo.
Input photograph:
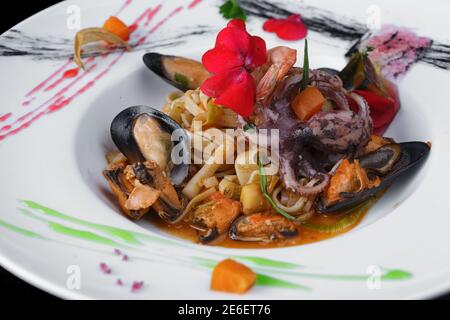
(304, 236)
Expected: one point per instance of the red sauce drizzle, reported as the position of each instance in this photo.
(58, 101)
(5, 117)
(194, 3)
(124, 6)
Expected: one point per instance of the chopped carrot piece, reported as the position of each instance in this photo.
(118, 27)
(308, 103)
(233, 277)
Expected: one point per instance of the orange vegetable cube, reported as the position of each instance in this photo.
(232, 277)
(118, 27)
(308, 103)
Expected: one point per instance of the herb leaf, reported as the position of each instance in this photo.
(181, 79)
(249, 126)
(305, 78)
(263, 179)
(232, 10)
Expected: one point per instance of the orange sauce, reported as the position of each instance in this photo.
(305, 235)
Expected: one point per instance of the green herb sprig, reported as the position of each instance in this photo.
(305, 78)
(232, 10)
(181, 79)
(249, 126)
(263, 179)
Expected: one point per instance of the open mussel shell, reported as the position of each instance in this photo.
(123, 135)
(182, 73)
(390, 162)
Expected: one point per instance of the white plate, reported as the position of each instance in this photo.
(55, 157)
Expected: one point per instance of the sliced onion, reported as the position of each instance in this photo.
(348, 221)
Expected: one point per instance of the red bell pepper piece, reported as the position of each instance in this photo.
(382, 109)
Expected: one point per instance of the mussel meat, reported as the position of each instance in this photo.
(214, 218)
(262, 227)
(182, 73)
(387, 164)
(142, 186)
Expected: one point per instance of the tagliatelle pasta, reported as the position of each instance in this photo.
(194, 105)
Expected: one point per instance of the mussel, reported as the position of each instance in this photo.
(262, 227)
(388, 163)
(214, 218)
(182, 73)
(144, 135)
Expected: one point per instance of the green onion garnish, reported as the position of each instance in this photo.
(305, 78)
(249, 126)
(352, 216)
(263, 179)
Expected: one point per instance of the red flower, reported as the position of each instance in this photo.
(235, 55)
(291, 28)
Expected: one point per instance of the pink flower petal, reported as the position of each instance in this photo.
(233, 39)
(235, 89)
(292, 31)
(222, 59)
(291, 28)
(271, 25)
(237, 23)
(137, 286)
(104, 268)
(257, 54)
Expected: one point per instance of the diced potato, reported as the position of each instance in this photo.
(252, 199)
(233, 277)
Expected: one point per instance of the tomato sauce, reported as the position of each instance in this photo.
(305, 235)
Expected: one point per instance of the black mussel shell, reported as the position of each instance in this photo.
(412, 155)
(123, 137)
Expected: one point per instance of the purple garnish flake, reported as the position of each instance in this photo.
(104, 268)
(125, 258)
(119, 282)
(117, 252)
(137, 286)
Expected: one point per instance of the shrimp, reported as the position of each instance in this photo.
(279, 61)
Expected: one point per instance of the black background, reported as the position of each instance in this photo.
(16, 288)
